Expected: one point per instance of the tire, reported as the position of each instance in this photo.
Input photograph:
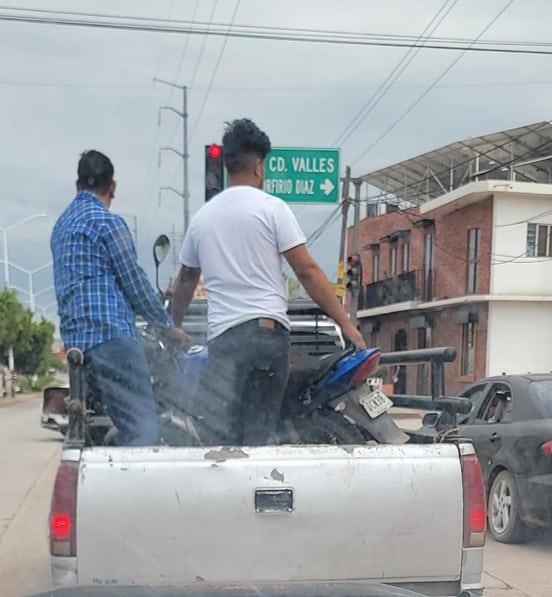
(325, 428)
(505, 524)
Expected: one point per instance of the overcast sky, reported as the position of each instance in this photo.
(66, 89)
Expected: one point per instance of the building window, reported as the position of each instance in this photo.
(375, 265)
(531, 239)
(393, 260)
(473, 250)
(539, 240)
(468, 348)
(405, 257)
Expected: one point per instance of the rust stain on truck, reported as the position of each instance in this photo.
(225, 454)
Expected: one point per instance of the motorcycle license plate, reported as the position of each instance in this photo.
(376, 403)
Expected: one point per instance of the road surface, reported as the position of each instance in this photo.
(28, 462)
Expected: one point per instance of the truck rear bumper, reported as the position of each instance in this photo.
(64, 571)
(472, 567)
(357, 588)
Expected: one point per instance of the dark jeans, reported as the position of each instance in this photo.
(243, 385)
(118, 373)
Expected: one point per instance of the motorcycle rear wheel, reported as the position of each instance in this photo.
(323, 428)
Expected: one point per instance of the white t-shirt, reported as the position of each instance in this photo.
(236, 239)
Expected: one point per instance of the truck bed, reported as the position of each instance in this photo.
(170, 516)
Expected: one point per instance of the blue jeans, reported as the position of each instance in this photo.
(118, 373)
(244, 383)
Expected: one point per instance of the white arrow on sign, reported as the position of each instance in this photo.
(327, 186)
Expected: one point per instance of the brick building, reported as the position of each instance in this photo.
(463, 258)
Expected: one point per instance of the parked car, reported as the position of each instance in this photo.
(510, 424)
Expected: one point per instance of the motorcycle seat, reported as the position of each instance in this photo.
(306, 370)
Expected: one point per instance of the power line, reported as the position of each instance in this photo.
(437, 80)
(272, 89)
(267, 29)
(260, 33)
(183, 54)
(196, 67)
(537, 217)
(467, 161)
(404, 62)
(150, 103)
(204, 41)
(321, 230)
(215, 71)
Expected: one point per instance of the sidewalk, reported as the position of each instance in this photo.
(407, 418)
(19, 398)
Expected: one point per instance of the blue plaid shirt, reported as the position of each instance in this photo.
(99, 285)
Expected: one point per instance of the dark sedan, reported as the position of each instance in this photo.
(510, 424)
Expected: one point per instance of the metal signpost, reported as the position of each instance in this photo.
(299, 175)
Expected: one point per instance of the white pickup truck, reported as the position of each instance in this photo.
(412, 516)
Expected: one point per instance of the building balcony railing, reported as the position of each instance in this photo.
(410, 286)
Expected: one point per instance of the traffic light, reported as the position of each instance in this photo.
(354, 273)
(214, 170)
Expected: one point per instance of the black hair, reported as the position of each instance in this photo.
(242, 140)
(95, 172)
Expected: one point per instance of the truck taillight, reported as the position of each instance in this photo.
(546, 449)
(63, 511)
(475, 507)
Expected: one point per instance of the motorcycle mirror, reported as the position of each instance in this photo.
(161, 248)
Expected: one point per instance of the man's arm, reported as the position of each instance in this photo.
(318, 287)
(184, 289)
(132, 279)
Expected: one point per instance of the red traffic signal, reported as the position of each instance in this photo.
(214, 151)
(214, 170)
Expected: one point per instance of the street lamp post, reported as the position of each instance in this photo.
(6, 248)
(30, 274)
(5, 231)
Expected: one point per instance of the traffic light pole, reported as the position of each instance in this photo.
(344, 212)
(355, 250)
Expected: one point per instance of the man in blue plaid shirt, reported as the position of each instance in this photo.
(100, 288)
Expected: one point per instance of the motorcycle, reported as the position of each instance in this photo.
(329, 399)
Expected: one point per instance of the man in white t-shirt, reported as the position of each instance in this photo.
(237, 241)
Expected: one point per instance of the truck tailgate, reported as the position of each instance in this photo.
(169, 516)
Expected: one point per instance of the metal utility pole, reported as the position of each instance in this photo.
(344, 212)
(184, 155)
(355, 250)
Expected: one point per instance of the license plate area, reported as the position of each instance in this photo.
(375, 403)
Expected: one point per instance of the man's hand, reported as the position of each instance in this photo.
(178, 336)
(354, 336)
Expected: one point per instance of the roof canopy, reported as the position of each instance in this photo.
(523, 154)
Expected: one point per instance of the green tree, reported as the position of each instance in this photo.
(31, 340)
(34, 346)
(12, 321)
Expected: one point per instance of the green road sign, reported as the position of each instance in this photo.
(303, 175)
